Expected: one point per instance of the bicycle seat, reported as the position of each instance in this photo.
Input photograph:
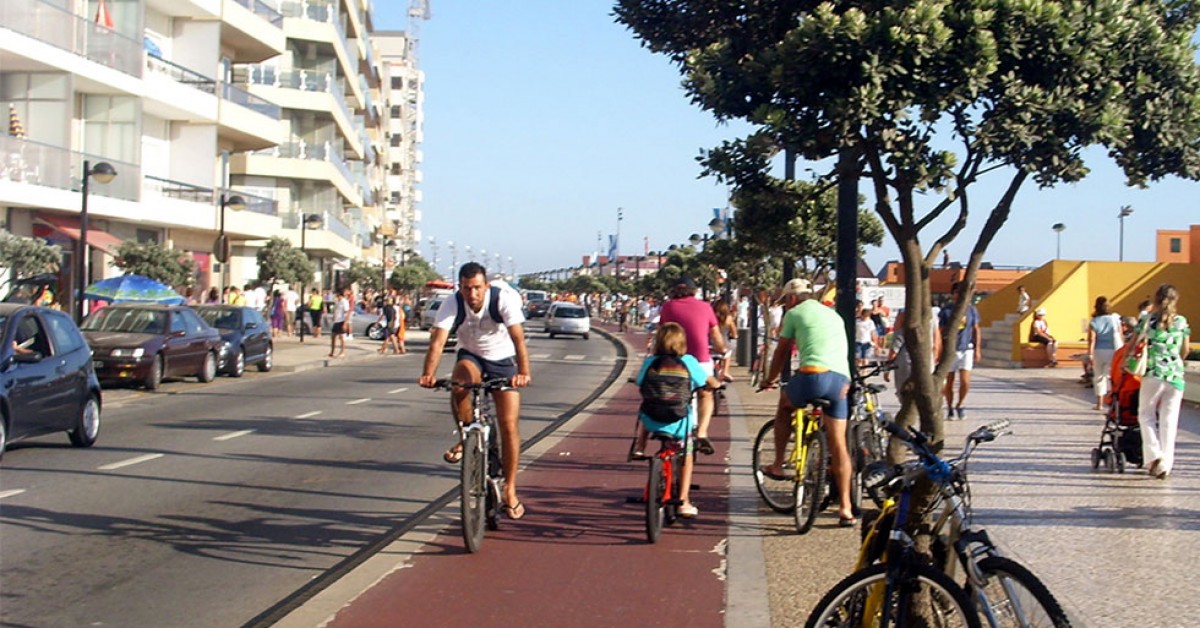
(876, 388)
(820, 403)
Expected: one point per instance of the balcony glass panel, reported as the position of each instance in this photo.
(35, 163)
(239, 96)
(180, 74)
(63, 29)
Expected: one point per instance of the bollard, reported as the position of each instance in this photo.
(743, 347)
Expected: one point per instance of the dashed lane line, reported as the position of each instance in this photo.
(307, 415)
(233, 435)
(358, 401)
(398, 390)
(130, 462)
(540, 356)
(15, 491)
(575, 357)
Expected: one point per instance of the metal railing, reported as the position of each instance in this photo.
(263, 10)
(180, 74)
(35, 163)
(239, 96)
(179, 190)
(258, 204)
(63, 29)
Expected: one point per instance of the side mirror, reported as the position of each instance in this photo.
(178, 334)
(33, 357)
(252, 325)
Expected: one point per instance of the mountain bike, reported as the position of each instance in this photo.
(663, 484)
(801, 489)
(866, 437)
(482, 472)
(998, 591)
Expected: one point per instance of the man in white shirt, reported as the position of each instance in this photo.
(341, 324)
(291, 301)
(487, 348)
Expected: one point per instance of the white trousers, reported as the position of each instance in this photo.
(1158, 415)
(1102, 372)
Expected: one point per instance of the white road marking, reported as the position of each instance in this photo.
(398, 390)
(15, 491)
(575, 357)
(130, 462)
(358, 401)
(307, 415)
(233, 435)
(540, 356)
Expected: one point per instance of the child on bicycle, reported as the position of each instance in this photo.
(667, 379)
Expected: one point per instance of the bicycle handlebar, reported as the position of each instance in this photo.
(495, 383)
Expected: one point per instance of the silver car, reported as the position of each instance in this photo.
(565, 318)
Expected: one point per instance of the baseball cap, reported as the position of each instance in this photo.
(685, 281)
(797, 287)
(1041, 311)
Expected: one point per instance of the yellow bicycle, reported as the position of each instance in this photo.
(800, 489)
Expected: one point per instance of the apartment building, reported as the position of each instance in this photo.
(193, 102)
(405, 83)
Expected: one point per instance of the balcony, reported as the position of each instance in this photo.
(252, 30)
(249, 121)
(171, 91)
(317, 162)
(47, 166)
(312, 83)
(80, 36)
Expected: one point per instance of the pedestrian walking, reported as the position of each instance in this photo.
(1104, 338)
(278, 314)
(1167, 335)
(967, 339)
(341, 324)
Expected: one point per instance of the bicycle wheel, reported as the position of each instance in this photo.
(654, 504)
(1013, 596)
(780, 495)
(810, 489)
(495, 475)
(858, 600)
(854, 445)
(474, 490)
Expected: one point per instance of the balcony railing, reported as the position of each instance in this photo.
(330, 221)
(258, 204)
(178, 189)
(35, 163)
(180, 74)
(263, 10)
(63, 29)
(239, 96)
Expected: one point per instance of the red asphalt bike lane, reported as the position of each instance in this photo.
(580, 556)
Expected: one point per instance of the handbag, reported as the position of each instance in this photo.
(1136, 358)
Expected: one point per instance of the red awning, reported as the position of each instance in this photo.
(69, 226)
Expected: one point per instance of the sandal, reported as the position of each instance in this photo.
(453, 455)
(688, 511)
(766, 470)
(846, 522)
(704, 446)
(516, 511)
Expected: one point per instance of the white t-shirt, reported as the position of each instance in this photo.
(864, 330)
(291, 300)
(341, 310)
(478, 333)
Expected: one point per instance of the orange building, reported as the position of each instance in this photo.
(1177, 246)
(988, 279)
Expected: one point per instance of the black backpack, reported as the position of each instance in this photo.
(666, 390)
(493, 308)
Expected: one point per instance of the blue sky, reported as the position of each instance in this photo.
(542, 117)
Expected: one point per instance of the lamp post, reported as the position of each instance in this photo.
(617, 244)
(307, 221)
(453, 258)
(104, 173)
(221, 249)
(385, 242)
(1058, 228)
(433, 252)
(1125, 211)
(720, 230)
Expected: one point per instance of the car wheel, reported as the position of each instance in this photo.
(208, 372)
(551, 334)
(238, 363)
(154, 378)
(375, 332)
(585, 336)
(87, 426)
(3, 435)
(268, 360)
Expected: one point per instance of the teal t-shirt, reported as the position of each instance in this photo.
(678, 429)
(820, 336)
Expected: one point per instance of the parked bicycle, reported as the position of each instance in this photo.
(865, 434)
(482, 471)
(891, 582)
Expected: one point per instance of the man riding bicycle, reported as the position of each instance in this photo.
(819, 335)
(487, 348)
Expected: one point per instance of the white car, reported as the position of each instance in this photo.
(568, 319)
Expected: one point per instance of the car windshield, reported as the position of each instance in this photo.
(570, 312)
(221, 319)
(126, 320)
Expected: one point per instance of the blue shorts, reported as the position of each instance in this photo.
(490, 368)
(802, 388)
(862, 350)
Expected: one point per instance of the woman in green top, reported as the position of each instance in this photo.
(1167, 334)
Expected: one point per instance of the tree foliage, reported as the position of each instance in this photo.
(414, 273)
(927, 97)
(280, 262)
(26, 257)
(150, 259)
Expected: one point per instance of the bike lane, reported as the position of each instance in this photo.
(580, 556)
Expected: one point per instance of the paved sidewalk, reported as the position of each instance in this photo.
(292, 355)
(1116, 549)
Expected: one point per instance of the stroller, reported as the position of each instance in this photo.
(1121, 439)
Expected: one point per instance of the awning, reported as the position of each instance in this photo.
(69, 226)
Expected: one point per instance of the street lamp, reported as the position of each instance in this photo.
(307, 221)
(104, 173)
(1058, 228)
(385, 242)
(453, 258)
(1125, 211)
(221, 246)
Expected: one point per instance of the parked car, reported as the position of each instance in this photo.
(245, 334)
(429, 312)
(147, 342)
(47, 383)
(565, 318)
(536, 309)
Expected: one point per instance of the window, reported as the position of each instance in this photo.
(397, 82)
(62, 330)
(1176, 245)
(110, 126)
(396, 168)
(396, 139)
(30, 336)
(396, 111)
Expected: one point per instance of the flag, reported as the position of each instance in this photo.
(103, 17)
(612, 247)
(14, 122)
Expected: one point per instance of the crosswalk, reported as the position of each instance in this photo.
(572, 357)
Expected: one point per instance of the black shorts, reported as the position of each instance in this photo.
(339, 328)
(315, 317)
(1039, 339)
(490, 368)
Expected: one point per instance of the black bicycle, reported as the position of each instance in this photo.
(482, 471)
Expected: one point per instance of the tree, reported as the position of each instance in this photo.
(280, 262)
(150, 259)
(26, 257)
(365, 274)
(925, 98)
(413, 274)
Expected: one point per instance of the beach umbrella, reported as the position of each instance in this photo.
(132, 288)
(15, 129)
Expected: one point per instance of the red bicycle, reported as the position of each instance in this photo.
(663, 485)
